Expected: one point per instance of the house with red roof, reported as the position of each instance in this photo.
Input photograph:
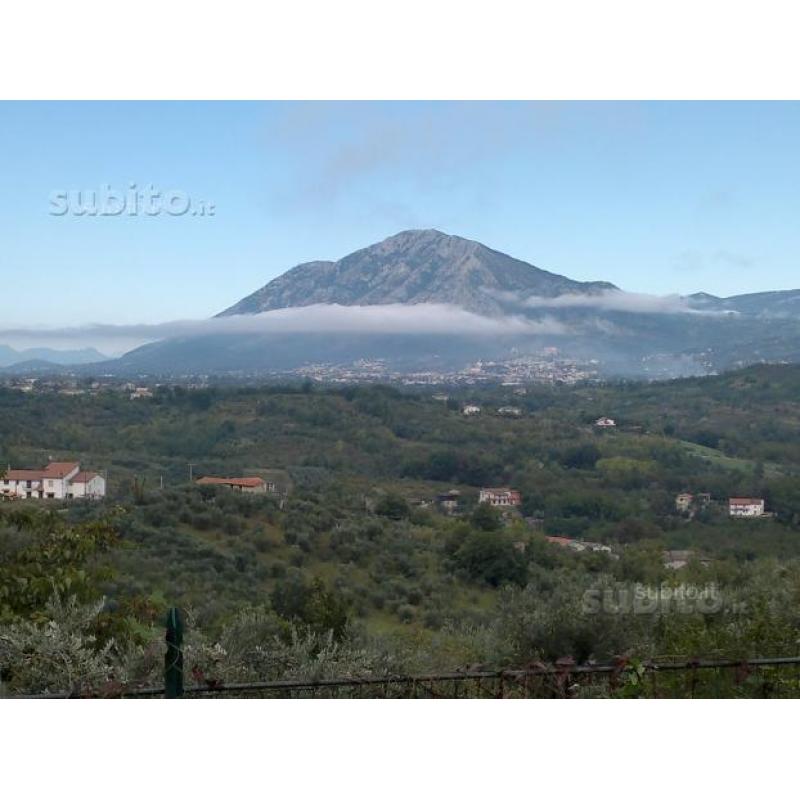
(244, 485)
(59, 480)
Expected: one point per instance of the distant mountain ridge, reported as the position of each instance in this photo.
(10, 357)
(411, 267)
(624, 334)
(773, 304)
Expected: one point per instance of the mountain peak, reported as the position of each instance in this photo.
(410, 267)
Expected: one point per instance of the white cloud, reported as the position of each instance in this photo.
(396, 318)
(607, 300)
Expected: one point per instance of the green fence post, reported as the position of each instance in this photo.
(173, 659)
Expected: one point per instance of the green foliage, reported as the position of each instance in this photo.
(491, 557)
(43, 554)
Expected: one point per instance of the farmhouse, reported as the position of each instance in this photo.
(59, 480)
(244, 485)
(502, 497)
(746, 507)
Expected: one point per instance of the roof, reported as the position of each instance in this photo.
(23, 475)
(55, 469)
(560, 540)
(58, 469)
(84, 477)
(244, 482)
(746, 501)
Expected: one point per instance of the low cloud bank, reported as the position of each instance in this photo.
(396, 318)
(607, 300)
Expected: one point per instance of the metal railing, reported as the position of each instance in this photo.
(624, 677)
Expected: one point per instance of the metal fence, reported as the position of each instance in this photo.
(762, 677)
(622, 678)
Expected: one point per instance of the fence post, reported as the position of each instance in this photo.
(173, 659)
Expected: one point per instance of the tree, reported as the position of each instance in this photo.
(491, 557)
(486, 518)
(311, 605)
(43, 555)
(392, 506)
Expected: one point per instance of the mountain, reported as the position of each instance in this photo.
(10, 357)
(761, 304)
(417, 266)
(629, 335)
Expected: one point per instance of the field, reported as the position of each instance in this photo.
(352, 565)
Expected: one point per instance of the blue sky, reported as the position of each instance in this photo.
(655, 197)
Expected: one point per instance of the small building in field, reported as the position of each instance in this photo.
(243, 485)
(448, 501)
(500, 498)
(605, 422)
(746, 507)
(509, 411)
(470, 411)
(59, 480)
(688, 503)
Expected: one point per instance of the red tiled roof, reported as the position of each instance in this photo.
(22, 475)
(84, 477)
(560, 540)
(58, 469)
(251, 483)
(746, 501)
(55, 469)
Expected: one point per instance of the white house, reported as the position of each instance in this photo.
(59, 480)
(605, 422)
(746, 507)
(469, 411)
(500, 497)
(509, 411)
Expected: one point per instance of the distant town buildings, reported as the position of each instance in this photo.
(244, 485)
(469, 411)
(605, 422)
(500, 498)
(140, 393)
(746, 507)
(59, 480)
